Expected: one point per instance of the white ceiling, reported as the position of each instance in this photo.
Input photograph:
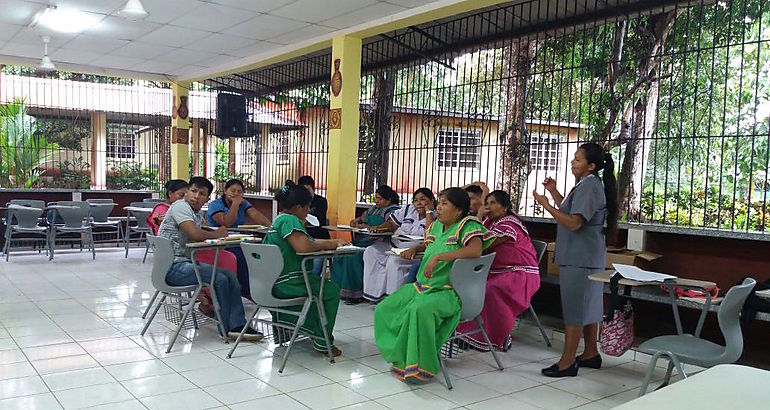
(182, 37)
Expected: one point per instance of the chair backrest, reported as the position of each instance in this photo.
(141, 217)
(469, 280)
(24, 216)
(728, 315)
(162, 259)
(101, 213)
(153, 201)
(32, 203)
(540, 247)
(73, 217)
(265, 265)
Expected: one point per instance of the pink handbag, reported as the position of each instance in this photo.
(617, 334)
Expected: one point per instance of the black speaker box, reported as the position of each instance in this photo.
(231, 115)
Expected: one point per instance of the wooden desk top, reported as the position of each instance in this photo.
(605, 278)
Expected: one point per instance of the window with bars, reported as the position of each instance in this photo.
(545, 152)
(121, 142)
(283, 142)
(458, 148)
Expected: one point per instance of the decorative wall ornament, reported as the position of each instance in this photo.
(336, 79)
(335, 118)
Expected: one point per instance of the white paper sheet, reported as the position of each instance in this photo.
(640, 275)
(405, 237)
(312, 220)
(397, 251)
(349, 248)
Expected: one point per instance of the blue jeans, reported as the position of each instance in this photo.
(413, 269)
(318, 264)
(226, 287)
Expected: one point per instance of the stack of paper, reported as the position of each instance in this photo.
(397, 251)
(640, 275)
(349, 248)
(405, 237)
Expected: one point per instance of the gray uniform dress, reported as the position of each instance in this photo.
(581, 253)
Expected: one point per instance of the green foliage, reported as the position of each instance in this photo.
(132, 176)
(65, 133)
(72, 175)
(22, 149)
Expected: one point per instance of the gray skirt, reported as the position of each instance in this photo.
(582, 301)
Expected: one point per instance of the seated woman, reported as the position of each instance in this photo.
(348, 272)
(288, 232)
(175, 190)
(513, 278)
(231, 210)
(384, 273)
(412, 324)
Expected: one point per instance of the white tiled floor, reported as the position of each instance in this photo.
(69, 338)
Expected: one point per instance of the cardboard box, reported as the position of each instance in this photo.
(623, 256)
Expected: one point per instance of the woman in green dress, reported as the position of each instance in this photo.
(348, 272)
(412, 324)
(289, 234)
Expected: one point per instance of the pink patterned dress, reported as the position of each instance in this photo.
(513, 279)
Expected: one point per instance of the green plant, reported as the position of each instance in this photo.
(22, 149)
(72, 174)
(131, 176)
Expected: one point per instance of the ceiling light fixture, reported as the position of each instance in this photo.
(46, 65)
(65, 20)
(134, 10)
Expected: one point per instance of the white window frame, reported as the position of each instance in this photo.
(458, 146)
(545, 152)
(120, 142)
(282, 148)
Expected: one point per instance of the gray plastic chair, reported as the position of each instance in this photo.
(540, 247)
(100, 218)
(76, 219)
(161, 263)
(141, 226)
(153, 201)
(265, 265)
(23, 217)
(691, 349)
(469, 280)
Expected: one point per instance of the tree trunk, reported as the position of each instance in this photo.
(614, 71)
(642, 123)
(518, 57)
(377, 156)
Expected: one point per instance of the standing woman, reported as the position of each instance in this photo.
(581, 251)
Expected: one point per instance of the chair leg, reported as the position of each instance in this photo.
(149, 306)
(295, 332)
(6, 248)
(126, 240)
(648, 376)
(539, 326)
(322, 316)
(480, 324)
(240, 335)
(678, 365)
(93, 244)
(152, 317)
(444, 372)
(669, 369)
(146, 249)
(187, 311)
(52, 243)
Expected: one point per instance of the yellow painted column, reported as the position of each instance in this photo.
(343, 128)
(180, 131)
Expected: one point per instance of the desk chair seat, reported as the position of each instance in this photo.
(691, 349)
(75, 217)
(141, 226)
(100, 218)
(469, 280)
(265, 265)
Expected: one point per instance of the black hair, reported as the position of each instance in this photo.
(292, 194)
(230, 182)
(389, 194)
(502, 198)
(174, 185)
(201, 182)
(474, 189)
(427, 192)
(595, 154)
(306, 180)
(459, 198)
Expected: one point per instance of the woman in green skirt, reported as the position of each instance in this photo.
(289, 234)
(348, 272)
(411, 324)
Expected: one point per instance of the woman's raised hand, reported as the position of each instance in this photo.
(549, 184)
